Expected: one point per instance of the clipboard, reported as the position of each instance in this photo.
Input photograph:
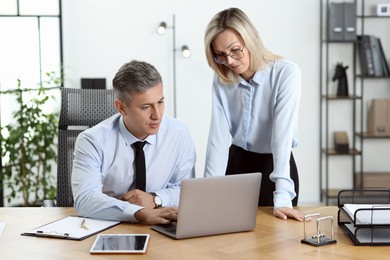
(72, 228)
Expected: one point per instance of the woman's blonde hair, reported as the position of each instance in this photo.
(237, 20)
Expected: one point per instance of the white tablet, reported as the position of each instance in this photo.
(120, 244)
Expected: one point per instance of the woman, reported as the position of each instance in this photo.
(255, 101)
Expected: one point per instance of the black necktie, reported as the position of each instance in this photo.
(139, 161)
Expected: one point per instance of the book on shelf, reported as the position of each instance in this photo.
(376, 56)
(385, 65)
(372, 57)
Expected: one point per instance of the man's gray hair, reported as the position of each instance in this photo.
(135, 77)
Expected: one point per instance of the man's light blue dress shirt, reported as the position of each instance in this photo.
(103, 168)
(259, 116)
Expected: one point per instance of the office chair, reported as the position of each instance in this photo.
(80, 109)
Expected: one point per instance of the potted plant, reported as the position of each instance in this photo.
(29, 148)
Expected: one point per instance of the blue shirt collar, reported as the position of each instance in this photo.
(129, 137)
(258, 78)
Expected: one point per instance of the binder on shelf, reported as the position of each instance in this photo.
(385, 65)
(335, 22)
(349, 21)
(342, 22)
(366, 59)
(364, 216)
(71, 227)
(376, 56)
(372, 57)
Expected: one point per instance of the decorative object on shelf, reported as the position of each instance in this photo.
(341, 75)
(342, 22)
(341, 144)
(383, 9)
(378, 117)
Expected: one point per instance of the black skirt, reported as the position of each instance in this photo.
(242, 161)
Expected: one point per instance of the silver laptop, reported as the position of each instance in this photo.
(215, 205)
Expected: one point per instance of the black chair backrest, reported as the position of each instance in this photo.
(80, 109)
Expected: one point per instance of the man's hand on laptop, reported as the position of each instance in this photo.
(156, 216)
(285, 213)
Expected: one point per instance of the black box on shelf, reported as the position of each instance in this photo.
(341, 144)
(93, 83)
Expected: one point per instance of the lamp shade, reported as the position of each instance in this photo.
(162, 27)
(185, 51)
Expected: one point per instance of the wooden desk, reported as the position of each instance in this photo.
(272, 239)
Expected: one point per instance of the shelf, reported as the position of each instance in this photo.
(371, 77)
(372, 17)
(348, 52)
(342, 42)
(331, 193)
(332, 151)
(335, 97)
(370, 136)
(373, 180)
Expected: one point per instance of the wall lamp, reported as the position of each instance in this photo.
(185, 51)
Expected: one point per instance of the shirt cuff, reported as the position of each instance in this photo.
(130, 211)
(282, 199)
(284, 193)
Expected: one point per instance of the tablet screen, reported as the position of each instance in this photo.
(120, 243)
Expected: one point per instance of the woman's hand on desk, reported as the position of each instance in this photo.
(156, 216)
(285, 213)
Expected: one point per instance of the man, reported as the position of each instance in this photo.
(104, 178)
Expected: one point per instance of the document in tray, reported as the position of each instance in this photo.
(71, 227)
(373, 214)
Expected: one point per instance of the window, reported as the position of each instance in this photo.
(30, 47)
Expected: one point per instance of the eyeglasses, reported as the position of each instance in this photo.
(236, 54)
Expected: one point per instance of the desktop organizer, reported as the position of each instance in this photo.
(321, 232)
(364, 215)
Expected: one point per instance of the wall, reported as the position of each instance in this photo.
(100, 35)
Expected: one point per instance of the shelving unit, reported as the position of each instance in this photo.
(328, 99)
(352, 173)
(364, 177)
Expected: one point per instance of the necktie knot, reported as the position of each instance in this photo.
(139, 145)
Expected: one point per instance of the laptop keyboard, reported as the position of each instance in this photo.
(170, 228)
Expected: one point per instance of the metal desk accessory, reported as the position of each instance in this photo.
(318, 231)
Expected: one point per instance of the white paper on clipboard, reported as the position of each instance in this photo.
(71, 227)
